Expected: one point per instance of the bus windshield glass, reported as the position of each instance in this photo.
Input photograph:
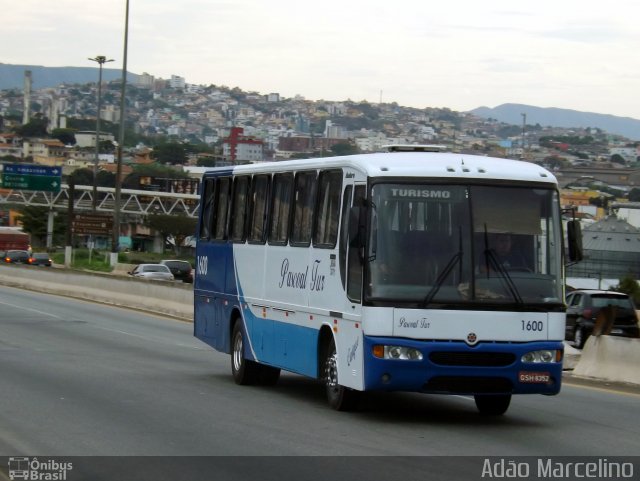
(454, 244)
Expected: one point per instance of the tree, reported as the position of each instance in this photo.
(617, 159)
(106, 147)
(132, 181)
(66, 136)
(36, 127)
(634, 195)
(344, 148)
(177, 226)
(206, 162)
(629, 285)
(34, 221)
(83, 176)
(170, 153)
(106, 179)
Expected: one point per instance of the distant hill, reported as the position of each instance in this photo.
(12, 76)
(554, 117)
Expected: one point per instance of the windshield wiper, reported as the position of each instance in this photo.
(441, 278)
(445, 272)
(492, 260)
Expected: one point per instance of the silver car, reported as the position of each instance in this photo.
(154, 272)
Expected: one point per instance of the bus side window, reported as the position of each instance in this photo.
(328, 209)
(221, 208)
(280, 209)
(207, 208)
(259, 197)
(239, 208)
(304, 200)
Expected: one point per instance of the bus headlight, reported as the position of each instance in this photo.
(397, 352)
(544, 356)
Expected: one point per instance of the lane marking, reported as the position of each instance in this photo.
(150, 338)
(601, 389)
(31, 309)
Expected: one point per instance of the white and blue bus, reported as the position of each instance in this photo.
(385, 272)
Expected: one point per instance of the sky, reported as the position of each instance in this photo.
(459, 54)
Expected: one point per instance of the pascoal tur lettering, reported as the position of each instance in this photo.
(297, 280)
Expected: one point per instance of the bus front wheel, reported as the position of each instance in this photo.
(339, 397)
(492, 405)
(244, 372)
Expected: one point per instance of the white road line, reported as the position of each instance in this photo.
(31, 309)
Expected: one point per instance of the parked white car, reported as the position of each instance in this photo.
(154, 272)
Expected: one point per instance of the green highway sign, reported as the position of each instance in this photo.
(30, 182)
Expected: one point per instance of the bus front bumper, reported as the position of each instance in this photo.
(451, 367)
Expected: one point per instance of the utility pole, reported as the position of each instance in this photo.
(115, 239)
(101, 60)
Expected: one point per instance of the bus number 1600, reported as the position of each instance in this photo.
(532, 325)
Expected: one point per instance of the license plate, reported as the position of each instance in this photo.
(528, 377)
(616, 331)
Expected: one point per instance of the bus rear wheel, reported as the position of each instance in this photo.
(492, 405)
(339, 397)
(244, 372)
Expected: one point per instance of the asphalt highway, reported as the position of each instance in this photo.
(84, 379)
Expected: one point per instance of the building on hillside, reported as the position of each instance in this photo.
(45, 151)
(10, 144)
(627, 211)
(584, 201)
(623, 177)
(87, 138)
(611, 249)
(177, 82)
(303, 143)
(145, 81)
(238, 148)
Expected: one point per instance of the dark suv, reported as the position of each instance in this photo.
(17, 257)
(583, 307)
(181, 270)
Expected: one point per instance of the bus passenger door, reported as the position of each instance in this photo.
(349, 337)
(354, 253)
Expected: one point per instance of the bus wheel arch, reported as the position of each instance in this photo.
(244, 371)
(339, 397)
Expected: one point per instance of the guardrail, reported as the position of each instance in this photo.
(168, 298)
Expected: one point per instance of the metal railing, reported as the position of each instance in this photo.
(141, 202)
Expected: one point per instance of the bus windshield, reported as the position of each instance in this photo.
(434, 244)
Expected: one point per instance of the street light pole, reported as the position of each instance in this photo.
(101, 60)
(115, 239)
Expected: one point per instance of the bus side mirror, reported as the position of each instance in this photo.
(574, 239)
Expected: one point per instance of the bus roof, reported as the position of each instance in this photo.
(413, 164)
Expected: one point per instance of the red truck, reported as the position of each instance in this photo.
(11, 239)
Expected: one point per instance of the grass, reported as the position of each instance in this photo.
(100, 260)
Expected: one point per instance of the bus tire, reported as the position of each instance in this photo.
(339, 397)
(268, 375)
(244, 372)
(492, 404)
